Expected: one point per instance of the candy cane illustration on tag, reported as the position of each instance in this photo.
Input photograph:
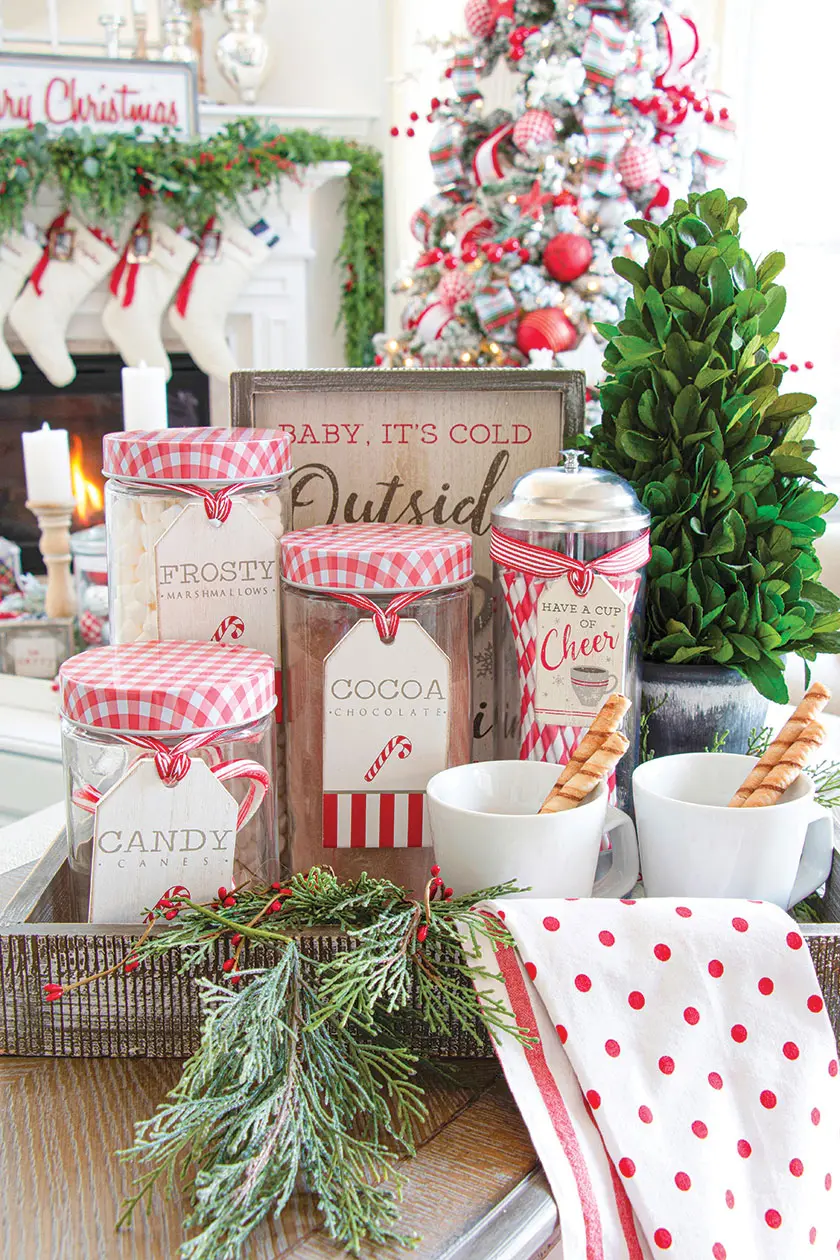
(235, 625)
(400, 745)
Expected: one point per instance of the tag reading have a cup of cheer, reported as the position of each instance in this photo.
(168, 751)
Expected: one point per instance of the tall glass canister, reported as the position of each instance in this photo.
(570, 547)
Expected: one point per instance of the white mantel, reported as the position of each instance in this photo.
(286, 317)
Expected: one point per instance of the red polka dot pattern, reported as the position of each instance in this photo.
(815, 1116)
(662, 952)
(562, 1033)
(683, 912)
(663, 1239)
(794, 940)
(532, 970)
(716, 968)
(666, 1065)
(645, 1115)
(636, 1000)
(730, 1199)
(773, 1218)
(738, 1033)
(744, 1148)
(682, 1181)
(606, 938)
(739, 924)
(812, 1236)
(583, 983)
(790, 1050)
(593, 1098)
(828, 1181)
(833, 1067)
(768, 1099)
(550, 923)
(796, 1167)
(691, 1015)
(765, 986)
(612, 1048)
(719, 1251)
(626, 1167)
(815, 1003)
(699, 1129)
(715, 1080)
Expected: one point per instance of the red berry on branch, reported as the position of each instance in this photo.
(447, 893)
(170, 914)
(516, 54)
(469, 253)
(724, 113)
(436, 869)
(131, 964)
(437, 883)
(395, 131)
(494, 253)
(409, 131)
(234, 979)
(414, 115)
(450, 262)
(378, 360)
(221, 893)
(275, 907)
(512, 245)
(52, 992)
(808, 363)
(435, 255)
(447, 74)
(435, 103)
(524, 254)
(228, 964)
(229, 902)
(783, 355)
(794, 367)
(422, 933)
(709, 115)
(236, 939)
(697, 107)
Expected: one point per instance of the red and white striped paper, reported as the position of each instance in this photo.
(374, 820)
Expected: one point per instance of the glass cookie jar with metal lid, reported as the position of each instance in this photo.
(168, 752)
(569, 546)
(194, 519)
(377, 634)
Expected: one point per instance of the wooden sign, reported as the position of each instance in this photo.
(100, 93)
(437, 447)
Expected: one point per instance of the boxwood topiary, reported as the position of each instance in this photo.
(693, 419)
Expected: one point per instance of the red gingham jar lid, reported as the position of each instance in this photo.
(147, 688)
(376, 557)
(200, 454)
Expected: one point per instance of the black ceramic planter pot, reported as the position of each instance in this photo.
(691, 705)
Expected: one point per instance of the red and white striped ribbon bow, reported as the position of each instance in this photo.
(486, 161)
(217, 503)
(386, 620)
(540, 562)
(173, 764)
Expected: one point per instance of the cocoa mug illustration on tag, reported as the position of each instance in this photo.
(590, 684)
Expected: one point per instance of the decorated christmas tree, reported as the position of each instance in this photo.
(610, 120)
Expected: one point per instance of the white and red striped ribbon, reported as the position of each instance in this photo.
(386, 620)
(540, 562)
(374, 820)
(486, 163)
(217, 503)
(173, 764)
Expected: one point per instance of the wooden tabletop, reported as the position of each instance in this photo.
(475, 1176)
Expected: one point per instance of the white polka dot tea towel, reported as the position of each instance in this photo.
(682, 1092)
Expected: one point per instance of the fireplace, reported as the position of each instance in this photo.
(88, 408)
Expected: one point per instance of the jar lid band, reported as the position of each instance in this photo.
(197, 454)
(376, 558)
(167, 688)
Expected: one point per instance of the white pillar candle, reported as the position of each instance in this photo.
(144, 398)
(46, 465)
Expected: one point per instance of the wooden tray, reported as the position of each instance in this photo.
(154, 1012)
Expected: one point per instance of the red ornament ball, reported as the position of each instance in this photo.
(469, 253)
(534, 131)
(450, 262)
(546, 329)
(637, 165)
(481, 17)
(567, 256)
(494, 252)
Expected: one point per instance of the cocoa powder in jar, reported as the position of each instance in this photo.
(313, 624)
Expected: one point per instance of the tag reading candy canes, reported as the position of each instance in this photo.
(386, 732)
(580, 648)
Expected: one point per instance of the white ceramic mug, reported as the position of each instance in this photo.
(487, 830)
(692, 845)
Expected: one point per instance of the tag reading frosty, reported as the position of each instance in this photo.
(207, 572)
(386, 732)
(581, 642)
(148, 836)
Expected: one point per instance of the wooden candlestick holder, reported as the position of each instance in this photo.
(54, 522)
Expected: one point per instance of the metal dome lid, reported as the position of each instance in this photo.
(571, 499)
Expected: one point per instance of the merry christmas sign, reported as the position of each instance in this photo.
(417, 448)
(99, 93)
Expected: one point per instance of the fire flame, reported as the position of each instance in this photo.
(87, 493)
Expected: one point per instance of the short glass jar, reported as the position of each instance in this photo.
(194, 518)
(90, 571)
(169, 706)
(377, 644)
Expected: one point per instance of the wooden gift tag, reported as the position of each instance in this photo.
(386, 732)
(580, 649)
(148, 837)
(207, 571)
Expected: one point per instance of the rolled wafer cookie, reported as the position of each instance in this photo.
(589, 776)
(606, 720)
(813, 702)
(787, 770)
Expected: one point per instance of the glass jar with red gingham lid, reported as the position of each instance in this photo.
(194, 519)
(377, 642)
(168, 753)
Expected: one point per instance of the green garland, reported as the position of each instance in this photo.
(109, 179)
(302, 1077)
